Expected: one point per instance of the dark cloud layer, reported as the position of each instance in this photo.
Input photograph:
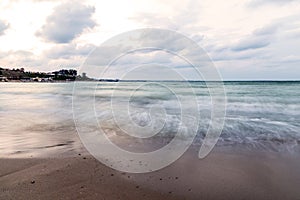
(260, 38)
(251, 43)
(67, 22)
(3, 27)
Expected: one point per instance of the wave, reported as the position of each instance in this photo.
(259, 115)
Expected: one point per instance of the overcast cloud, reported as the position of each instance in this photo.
(251, 39)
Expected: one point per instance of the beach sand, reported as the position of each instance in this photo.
(230, 175)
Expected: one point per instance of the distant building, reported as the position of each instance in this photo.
(3, 79)
(64, 74)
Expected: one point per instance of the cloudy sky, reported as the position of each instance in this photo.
(250, 39)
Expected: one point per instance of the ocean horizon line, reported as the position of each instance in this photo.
(143, 80)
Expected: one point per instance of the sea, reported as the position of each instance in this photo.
(41, 119)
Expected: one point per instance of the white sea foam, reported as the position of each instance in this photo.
(258, 115)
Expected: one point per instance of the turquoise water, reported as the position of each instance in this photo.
(37, 118)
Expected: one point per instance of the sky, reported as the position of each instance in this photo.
(245, 40)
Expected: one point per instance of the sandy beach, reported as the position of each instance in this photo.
(219, 176)
(68, 178)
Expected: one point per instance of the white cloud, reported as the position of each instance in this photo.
(244, 38)
(68, 51)
(67, 22)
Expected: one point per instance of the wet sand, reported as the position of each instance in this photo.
(67, 178)
(230, 175)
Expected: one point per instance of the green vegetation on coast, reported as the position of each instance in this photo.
(21, 75)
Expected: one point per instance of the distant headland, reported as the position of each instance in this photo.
(20, 75)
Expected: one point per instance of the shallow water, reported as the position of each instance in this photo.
(37, 118)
